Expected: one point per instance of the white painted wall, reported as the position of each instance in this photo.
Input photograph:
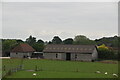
(19, 55)
(95, 54)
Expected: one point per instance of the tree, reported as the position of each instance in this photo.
(31, 40)
(105, 53)
(38, 47)
(19, 41)
(102, 46)
(68, 41)
(109, 41)
(81, 39)
(56, 40)
(49, 42)
(8, 44)
(40, 41)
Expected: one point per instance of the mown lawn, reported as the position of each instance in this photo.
(62, 69)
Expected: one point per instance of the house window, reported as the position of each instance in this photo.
(56, 55)
(16, 53)
(75, 56)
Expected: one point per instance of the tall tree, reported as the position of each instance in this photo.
(38, 47)
(40, 41)
(31, 40)
(8, 44)
(56, 40)
(68, 41)
(81, 39)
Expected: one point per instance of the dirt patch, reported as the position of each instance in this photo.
(110, 62)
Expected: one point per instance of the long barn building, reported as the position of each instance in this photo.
(71, 52)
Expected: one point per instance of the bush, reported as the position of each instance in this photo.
(104, 53)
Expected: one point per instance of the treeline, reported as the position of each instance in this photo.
(38, 45)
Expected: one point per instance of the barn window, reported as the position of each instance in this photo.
(75, 56)
(56, 55)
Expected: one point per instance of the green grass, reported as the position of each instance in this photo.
(63, 69)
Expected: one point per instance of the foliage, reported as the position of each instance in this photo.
(68, 41)
(103, 46)
(105, 53)
(40, 41)
(81, 39)
(31, 40)
(109, 41)
(38, 47)
(19, 41)
(8, 44)
(56, 40)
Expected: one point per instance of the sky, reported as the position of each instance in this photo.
(44, 20)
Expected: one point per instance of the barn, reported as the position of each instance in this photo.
(71, 52)
(23, 50)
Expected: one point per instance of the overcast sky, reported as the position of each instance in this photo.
(44, 20)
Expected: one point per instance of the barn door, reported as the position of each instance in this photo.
(68, 56)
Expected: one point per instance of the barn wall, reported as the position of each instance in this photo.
(49, 55)
(81, 57)
(63, 56)
(19, 55)
(95, 54)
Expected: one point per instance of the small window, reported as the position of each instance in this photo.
(56, 55)
(16, 53)
(75, 56)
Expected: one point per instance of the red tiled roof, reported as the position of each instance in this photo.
(23, 48)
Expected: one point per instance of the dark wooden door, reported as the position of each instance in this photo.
(68, 56)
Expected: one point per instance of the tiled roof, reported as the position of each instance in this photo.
(23, 48)
(69, 48)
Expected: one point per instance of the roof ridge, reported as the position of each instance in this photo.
(74, 44)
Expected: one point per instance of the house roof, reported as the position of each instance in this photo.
(69, 48)
(23, 48)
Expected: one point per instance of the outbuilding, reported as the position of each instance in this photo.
(71, 52)
(23, 50)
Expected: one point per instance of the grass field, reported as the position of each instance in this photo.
(60, 69)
